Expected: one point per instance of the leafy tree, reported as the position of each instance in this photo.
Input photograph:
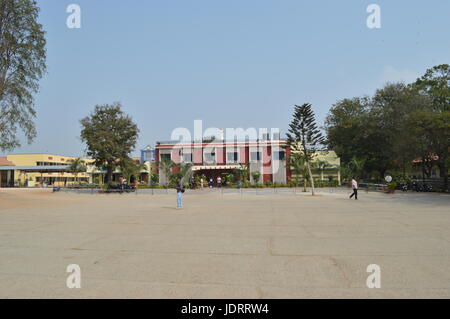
(387, 140)
(435, 83)
(76, 166)
(431, 137)
(345, 127)
(110, 136)
(374, 130)
(22, 65)
(256, 175)
(356, 166)
(304, 136)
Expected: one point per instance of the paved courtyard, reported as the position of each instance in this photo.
(229, 245)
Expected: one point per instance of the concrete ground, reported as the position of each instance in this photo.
(282, 245)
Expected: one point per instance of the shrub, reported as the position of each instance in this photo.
(392, 185)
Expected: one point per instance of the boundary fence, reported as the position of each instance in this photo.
(221, 190)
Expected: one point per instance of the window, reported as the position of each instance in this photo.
(149, 155)
(48, 164)
(165, 156)
(232, 157)
(281, 155)
(210, 157)
(187, 158)
(255, 156)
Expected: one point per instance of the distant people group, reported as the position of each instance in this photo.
(210, 181)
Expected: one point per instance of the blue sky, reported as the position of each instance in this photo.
(233, 63)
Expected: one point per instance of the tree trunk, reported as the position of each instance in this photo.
(404, 169)
(109, 174)
(311, 178)
(443, 173)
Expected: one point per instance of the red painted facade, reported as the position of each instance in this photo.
(224, 161)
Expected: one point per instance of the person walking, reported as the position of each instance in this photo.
(180, 191)
(355, 189)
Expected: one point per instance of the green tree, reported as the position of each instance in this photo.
(166, 165)
(229, 179)
(182, 172)
(154, 179)
(297, 164)
(374, 129)
(356, 166)
(431, 136)
(344, 126)
(304, 136)
(110, 136)
(76, 166)
(256, 175)
(22, 65)
(242, 172)
(129, 168)
(435, 83)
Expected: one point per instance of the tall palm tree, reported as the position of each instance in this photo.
(129, 168)
(298, 165)
(183, 172)
(166, 165)
(76, 166)
(242, 172)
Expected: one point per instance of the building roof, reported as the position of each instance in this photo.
(169, 144)
(4, 162)
(35, 168)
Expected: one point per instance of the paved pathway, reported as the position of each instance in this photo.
(224, 246)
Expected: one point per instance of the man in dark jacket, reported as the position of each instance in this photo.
(180, 191)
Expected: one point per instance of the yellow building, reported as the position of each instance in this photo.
(325, 166)
(30, 170)
(38, 170)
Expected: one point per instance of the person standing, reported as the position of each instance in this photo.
(355, 188)
(219, 181)
(201, 182)
(180, 191)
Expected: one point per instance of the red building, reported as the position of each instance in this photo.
(214, 158)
